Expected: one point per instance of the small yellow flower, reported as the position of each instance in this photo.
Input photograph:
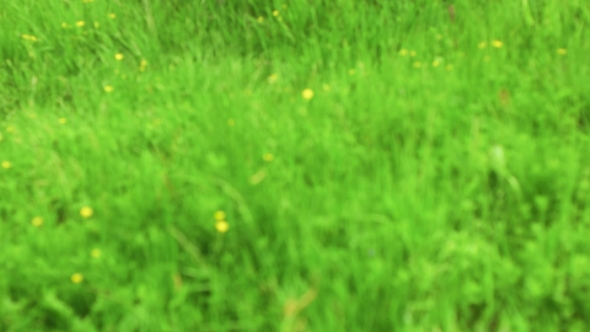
(497, 44)
(37, 221)
(80, 24)
(108, 88)
(112, 16)
(77, 278)
(413, 53)
(222, 226)
(435, 63)
(219, 215)
(143, 63)
(417, 64)
(231, 122)
(260, 19)
(482, 45)
(272, 78)
(351, 72)
(561, 51)
(6, 164)
(86, 212)
(62, 120)
(307, 94)
(95, 253)
(326, 87)
(119, 56)
(403, 52)
(268, 157)
(275, 13)
(9, 129)
(96, 24)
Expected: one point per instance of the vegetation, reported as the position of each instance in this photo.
(344, 165)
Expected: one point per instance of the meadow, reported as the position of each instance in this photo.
(264, 165)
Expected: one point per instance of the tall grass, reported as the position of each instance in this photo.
(437, 180)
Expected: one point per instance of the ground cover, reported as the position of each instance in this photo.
(294, 166)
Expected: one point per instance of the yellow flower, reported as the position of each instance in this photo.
(37, 221)
(119, 56)
(351, 72)
(307, 94)
(96, 24)
(482, 45)
(112, 16)
(403, 52)
(435, 63)
(86, 212)
(77, 278)
(260, 19)
(95, 253)
(62, 120)
(268, 157)
(6, 164)
(9, 129)
(219, 215)
(231, 122)
(497, 44)
(561, 51)
(80, 24)
(272, 78)
(222, 226)
(275, 13)
(108, 88)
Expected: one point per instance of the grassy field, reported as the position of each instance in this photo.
(262, 165)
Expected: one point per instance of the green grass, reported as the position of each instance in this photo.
(430, 184)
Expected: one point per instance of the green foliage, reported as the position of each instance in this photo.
(436, 180)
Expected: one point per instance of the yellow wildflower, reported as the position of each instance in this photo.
(112, 16)
(260, 19)
(403, 52)
(9, 129)
(77, 278)
(30, 38)
(268, 157)
(119, 56)
(6, 164)
(108, 88)
(222, 226)
(80, 24)
(351, 72)
(219, 215)
(62, 120)
(561, 51)
(497, 44)
(435, 63)
(275, 13)
(307, 94)
(86, 212)
(37, 221)
(96, 24)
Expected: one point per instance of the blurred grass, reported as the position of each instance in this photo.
(436, 181)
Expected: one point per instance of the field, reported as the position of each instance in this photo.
(259, 165)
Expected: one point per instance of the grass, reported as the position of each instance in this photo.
(437, 179)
